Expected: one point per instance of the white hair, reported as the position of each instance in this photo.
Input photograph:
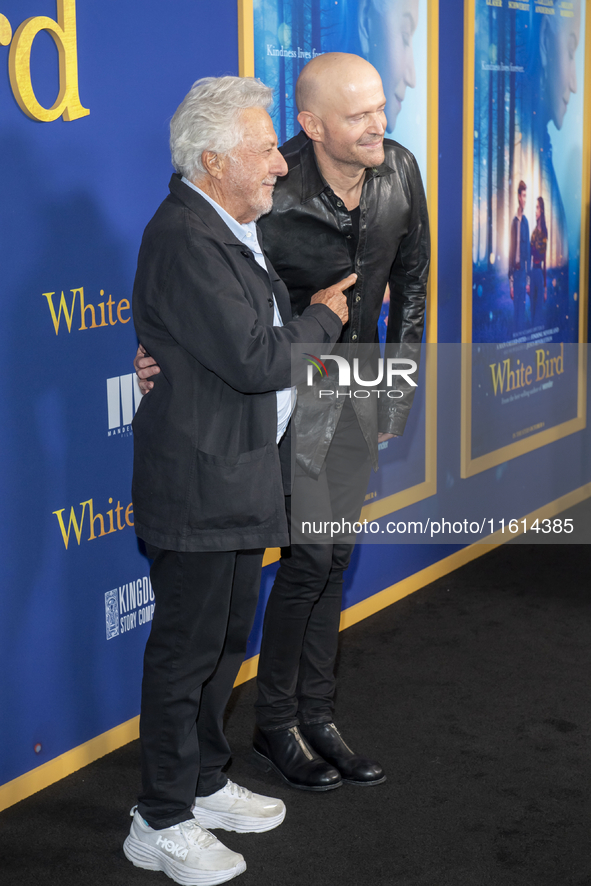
(208, 119)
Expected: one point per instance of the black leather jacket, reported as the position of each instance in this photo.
(306, 238)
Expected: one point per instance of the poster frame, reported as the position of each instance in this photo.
(471, 466)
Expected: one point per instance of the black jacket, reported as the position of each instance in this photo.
(306, 239)
(206, 471)
(524, 246)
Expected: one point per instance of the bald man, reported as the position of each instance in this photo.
(351, 201)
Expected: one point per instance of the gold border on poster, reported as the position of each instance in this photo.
(471, 466)
(245, 38)
(428, 486)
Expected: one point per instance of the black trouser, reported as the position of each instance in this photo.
(296, 679)
(205, 605)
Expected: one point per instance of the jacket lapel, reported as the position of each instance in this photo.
(279, 288)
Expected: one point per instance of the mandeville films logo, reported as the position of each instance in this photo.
(387, 370)
(123, 399)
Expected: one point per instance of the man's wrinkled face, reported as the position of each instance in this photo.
(391, 25)
(253, 167)
(355, 125)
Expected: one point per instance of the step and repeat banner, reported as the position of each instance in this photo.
(87, 91)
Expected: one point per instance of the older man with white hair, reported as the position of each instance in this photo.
(207, 481)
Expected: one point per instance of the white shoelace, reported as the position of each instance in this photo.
(235, 790)
(195, 834)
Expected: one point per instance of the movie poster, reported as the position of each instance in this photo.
(393, 36)
(530, 190)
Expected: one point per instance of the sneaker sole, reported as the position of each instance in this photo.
(268, 765)
(232, 821)
(151, 859)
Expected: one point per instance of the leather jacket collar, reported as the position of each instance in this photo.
(312, 182)
(308, 239)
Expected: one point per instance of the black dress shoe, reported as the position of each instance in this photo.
(327, 740)
(285, 751)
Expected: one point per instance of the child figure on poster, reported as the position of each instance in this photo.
(519, 259)
(538, 289)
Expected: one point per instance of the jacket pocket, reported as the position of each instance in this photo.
(235, 492)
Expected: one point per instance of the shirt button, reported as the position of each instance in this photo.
(349, 237)
(339, 202)
(358, 298)
(354, 337)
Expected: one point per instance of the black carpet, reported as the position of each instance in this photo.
(473, 692)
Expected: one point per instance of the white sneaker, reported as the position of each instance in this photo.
(234, 808)
(187, 853)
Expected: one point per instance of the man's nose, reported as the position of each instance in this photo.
(573, 77)
(278, 164)
(378, 123)
(410, 74)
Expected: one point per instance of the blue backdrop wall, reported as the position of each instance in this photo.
(75, 199)
(75, 600)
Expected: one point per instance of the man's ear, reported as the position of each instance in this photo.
(544, 36)
(213, 163)
(363, 25)
(311, 124)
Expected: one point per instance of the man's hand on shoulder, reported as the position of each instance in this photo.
(334, 299)
(145, 367)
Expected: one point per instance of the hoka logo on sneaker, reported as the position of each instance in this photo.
(174, 848)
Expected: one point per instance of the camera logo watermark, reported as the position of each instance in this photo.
(388, 371)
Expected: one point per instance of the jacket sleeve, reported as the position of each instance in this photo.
(193, 295)
(408, 296)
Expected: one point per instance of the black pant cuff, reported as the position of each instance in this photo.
(218, 787)
(317, 721)
(162, 824)
(278, 727)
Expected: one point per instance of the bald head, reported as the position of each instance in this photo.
(341, 105)
(334, 76)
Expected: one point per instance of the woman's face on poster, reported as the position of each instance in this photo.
(386, 29)
(559, 39)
